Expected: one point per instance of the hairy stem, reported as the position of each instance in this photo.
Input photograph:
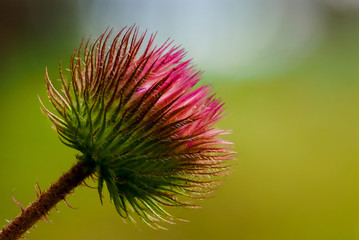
(45, 202)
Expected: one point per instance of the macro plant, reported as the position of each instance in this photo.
(142, 128)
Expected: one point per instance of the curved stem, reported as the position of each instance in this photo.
(45, 202)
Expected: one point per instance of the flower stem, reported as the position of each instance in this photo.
(45, 202)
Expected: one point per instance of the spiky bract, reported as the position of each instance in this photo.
(132, 111)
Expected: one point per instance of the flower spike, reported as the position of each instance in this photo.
(143, 130)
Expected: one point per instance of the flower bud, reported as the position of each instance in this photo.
(133, 111)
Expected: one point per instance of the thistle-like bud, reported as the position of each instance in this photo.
(132, 110)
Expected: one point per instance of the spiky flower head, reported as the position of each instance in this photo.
(132, 110)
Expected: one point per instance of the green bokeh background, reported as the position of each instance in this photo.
(296, 134)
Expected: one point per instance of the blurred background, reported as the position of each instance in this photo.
(287, 71)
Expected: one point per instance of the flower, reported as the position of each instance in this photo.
(132, 110)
